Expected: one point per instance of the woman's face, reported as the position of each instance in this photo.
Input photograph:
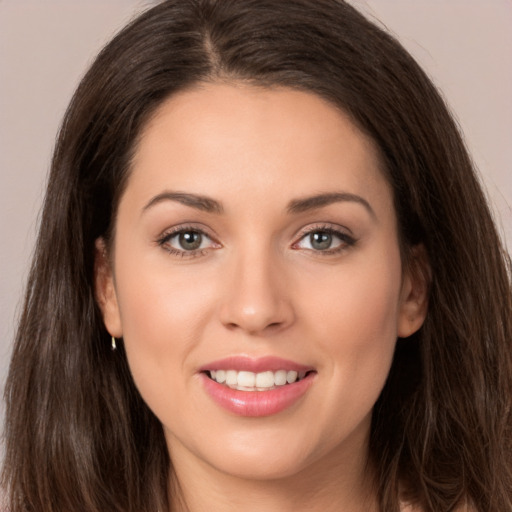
(256, 244)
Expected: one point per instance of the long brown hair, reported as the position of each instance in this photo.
(79, 436)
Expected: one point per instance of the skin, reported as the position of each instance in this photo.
(258, 287)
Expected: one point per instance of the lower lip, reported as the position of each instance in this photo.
(257, 403)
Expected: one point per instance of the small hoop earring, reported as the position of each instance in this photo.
(114, 346)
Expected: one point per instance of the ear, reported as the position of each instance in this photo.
(414, 294)
(105, 290)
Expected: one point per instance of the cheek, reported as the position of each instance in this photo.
(157, 300)
(162, 316)
(361, 301)
(354, 317)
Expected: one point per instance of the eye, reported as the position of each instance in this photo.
(326, 240)
(320, 240)
(187, 242)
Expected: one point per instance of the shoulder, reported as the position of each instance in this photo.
(408, 507)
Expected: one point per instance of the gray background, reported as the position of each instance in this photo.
(46, 45)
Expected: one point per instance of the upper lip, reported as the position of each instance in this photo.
(256, 365)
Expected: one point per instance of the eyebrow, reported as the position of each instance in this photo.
(210, 205)
(321, 200)
(196, 201)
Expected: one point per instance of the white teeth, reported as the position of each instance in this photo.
(231, 378)
(280, 377)
(265, 380)
(291, 376)
(250, 381)
(246, 379)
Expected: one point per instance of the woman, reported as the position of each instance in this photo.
(266, 277)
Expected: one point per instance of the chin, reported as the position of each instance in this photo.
(262, 467)
(263, 454)
(259, 453)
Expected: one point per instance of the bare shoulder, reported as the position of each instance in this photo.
(407, 507)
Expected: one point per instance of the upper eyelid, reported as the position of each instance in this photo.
(324, 226)
(164, 241)
(174, 230)
(345, 235)
(301, 233)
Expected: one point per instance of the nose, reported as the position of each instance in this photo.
(256, 296)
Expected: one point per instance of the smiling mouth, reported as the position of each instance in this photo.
(251, 381)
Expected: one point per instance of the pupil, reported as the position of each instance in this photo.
(321, 240)
(190, 240)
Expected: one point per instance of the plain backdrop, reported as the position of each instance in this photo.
(46, 46)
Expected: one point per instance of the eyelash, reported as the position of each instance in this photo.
(347, 240)
(166, 238)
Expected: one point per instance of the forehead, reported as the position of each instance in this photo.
(218, 137)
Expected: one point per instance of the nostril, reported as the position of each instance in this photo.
(253, 314)
(270, 327)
